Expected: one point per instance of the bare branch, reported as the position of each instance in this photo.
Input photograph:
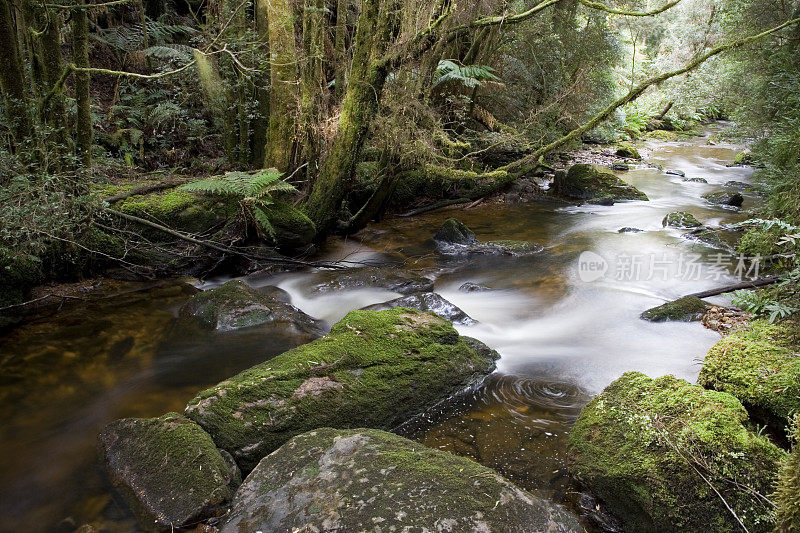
(614, 11)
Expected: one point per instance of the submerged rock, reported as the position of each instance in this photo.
(455, 238)
(473, 287)
(331, 480)
(708, 237)
(453, 231)
(585, 182)
(236, 305)
(642, 444)
(759, 365)
(738, 185)
(680, 219)
(621, 167)
(695, 180)
(430, 302)
(630, 230)
(390, 278)
(674, 172)
(681, 310)
(724, 198)
(168, 470)
(375, 369)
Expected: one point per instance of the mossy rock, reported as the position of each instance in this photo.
(724, 198)
(681, 310)
(330, 480)
(434, 182)
(663, 135)
(393, 279)
(235, 305)
(178, 209)
(709, 237)
(375, 369)
(585, 182)
(680, 219)
(758, 364)
(429, 302)
(642, 444)
(628, 150)
(293, 229)
(787, 495)
(695, 180)
(168, 470)
(453, 231)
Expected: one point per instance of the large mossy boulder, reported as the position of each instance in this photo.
(628, 150)
(680, 219)
(375, 369)
(787, 495)
(330, 480)
(430, 302)
(393, 279)
(760, 365)
(168, 470)
(235, 305)
(663, 454)
(681, 310)
(179, 209)
(586, 182)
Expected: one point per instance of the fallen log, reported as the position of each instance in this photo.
(754, 284)
(146, 189)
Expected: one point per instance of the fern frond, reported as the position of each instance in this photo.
(469, 76)
(179, 52)
(215, 185)
(262, 220)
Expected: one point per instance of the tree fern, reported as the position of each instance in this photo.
(253, 191)
(469, 76)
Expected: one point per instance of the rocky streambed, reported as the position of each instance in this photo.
(442, 384)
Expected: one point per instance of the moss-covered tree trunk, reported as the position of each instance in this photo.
(281, 146)
(340, 44)
(312, 84)
(12, 75)
(368, 71)
(83, 118)
(261, 80)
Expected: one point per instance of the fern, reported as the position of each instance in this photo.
(469, 76)
(253, 191)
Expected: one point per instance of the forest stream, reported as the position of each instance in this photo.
(562, 337)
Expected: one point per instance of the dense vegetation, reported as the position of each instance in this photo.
(358, 105)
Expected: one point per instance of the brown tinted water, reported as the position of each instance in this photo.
(561, 339)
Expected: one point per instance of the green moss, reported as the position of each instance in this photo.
(437, 182)
(374, 369)
(787, 495)
(293, 229)
(663, 135)
(629, 150)
(586, 182)
(681, 310)
(759, 365)
(179, 209)
(680, 219)
(168, 470)
(641, 444)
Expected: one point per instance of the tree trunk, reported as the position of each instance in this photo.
(261, 79)
(280, 147)
(83, 119)
(368, 73)
(312, 84)
(340, 45)
(12, 76)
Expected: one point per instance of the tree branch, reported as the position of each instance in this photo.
(614, 11)
(77, 7)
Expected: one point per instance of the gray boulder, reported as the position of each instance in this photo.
(724, 198)
(168, 470)
(427, 301)
(453, 231)
(236, 305)
(390, 278)
(330, 480)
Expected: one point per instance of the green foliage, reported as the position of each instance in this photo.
(253, 191)
(787, 496)
(782, 300)
(469, 76)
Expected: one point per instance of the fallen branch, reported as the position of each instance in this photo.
(434, 207)
(217, 247)
(754, 284)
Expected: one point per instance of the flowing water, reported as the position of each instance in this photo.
(562, 337)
